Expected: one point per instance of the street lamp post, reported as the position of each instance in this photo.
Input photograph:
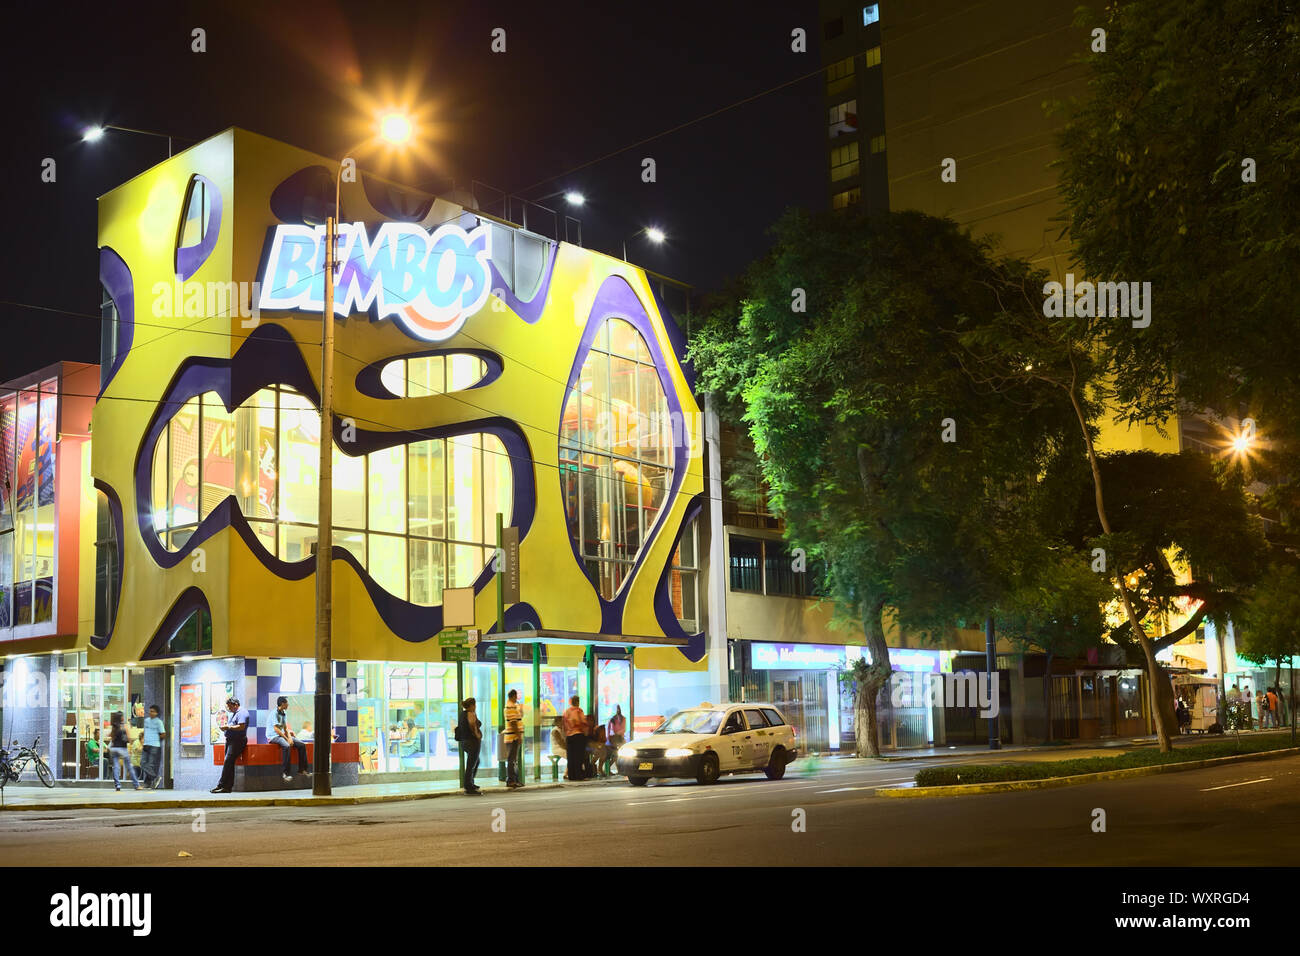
(396, 129)
(653, 233)
(94, 133)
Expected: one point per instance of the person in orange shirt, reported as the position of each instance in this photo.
(575, 739)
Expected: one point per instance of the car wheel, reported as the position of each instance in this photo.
(708, 772)
(775, 768)
(638, 781)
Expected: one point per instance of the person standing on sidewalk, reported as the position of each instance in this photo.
(151, 760)
(514, 739)
(236, 740)
(118, 749)
(469, 734)
(575, 739)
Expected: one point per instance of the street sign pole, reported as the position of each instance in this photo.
(537, 712)
(501, 653)
(460, 707)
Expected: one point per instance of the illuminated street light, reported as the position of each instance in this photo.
(653, 233)
(93, 134)
(574, 198)
(396, 128)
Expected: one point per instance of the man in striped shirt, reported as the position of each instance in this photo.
(514, 738)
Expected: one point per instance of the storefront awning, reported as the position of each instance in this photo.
(580, 637)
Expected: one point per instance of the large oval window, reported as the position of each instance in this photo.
(616, 453)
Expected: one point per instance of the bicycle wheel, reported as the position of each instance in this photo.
(44, 773)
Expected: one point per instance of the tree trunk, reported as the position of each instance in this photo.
(1163, 699)
(877, 674)
(1154, 673)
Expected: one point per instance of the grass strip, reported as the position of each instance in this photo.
(943, 776)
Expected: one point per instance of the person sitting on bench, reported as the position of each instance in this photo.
(282, 735)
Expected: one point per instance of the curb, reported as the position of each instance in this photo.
(1051, 783)
(330, 801)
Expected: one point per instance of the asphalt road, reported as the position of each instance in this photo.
(1242, 814)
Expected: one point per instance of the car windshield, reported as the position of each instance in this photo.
(692, 722)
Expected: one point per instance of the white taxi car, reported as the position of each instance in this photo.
(710, 740)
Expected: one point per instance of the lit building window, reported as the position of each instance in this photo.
(432, 375)
(846, 198)
(685, 579)
(418, 517)
(746, 560)
(27, 514)
(878, 143)
(616, 454)
(873, 57)
(844, 162)
(108, 566)
(839, 76)
(870, 14)
(844, 118)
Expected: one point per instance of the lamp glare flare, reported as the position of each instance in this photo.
(395, 128)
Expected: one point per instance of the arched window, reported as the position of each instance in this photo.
(616, 453)
(108, 566)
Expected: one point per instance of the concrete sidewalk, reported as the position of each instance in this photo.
(22, 797)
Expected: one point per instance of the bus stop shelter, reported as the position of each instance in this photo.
(536, 638)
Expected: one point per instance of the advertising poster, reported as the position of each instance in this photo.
(25, 475)
(218, 691)
(613, 688)
(7, 425)
(45, 445)
(191, 713)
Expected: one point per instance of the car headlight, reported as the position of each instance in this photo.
(628, 752)
(679, 752)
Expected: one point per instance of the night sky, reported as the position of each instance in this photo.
(578, 81)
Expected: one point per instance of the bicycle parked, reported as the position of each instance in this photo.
(12, 766)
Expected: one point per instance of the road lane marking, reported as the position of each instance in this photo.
(1244, 783)
(845, 789)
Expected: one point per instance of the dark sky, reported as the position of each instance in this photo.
(578, 81)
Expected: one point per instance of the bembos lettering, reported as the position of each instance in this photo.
(430, 282)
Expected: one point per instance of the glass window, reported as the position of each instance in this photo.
(388, 490)
(870, 14)
(773, 718)
(299, 458)
(844, 161)
(878, 143)
(108, 569)
(388, 563)
(349, 490)
(464, 481)
(833, 28)
(843, 118)
(746, 558)
(297, 542)
(394, 510)
(848, 197)
(427, 489)
(684, 579)
(755, 719)
(873, 57)
(616, 453)
(196, 214)
(427, 571)
(218, 469)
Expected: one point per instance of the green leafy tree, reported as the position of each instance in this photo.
(1270, 621)
(884, 457)
(1181, 167)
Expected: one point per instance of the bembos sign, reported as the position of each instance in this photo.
(430, 282)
